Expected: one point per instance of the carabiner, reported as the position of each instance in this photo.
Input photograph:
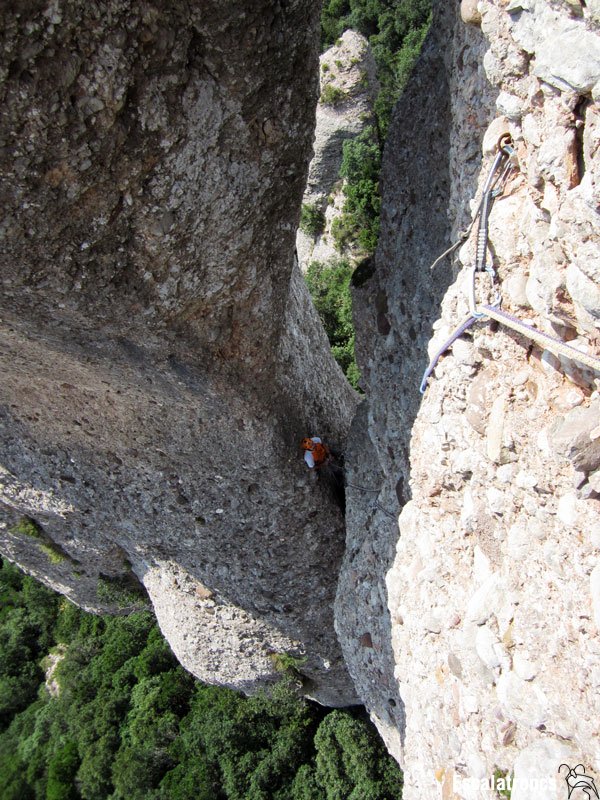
(472, 292)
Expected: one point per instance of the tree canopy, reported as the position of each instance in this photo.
(130, 724)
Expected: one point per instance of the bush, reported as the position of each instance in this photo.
(361, 163)
(329, 286)
(62, 767)
(131, 724)
(332, 95)
(395, 30)
(312, 219)
(349, 763)
(27, 526)
(124, 591)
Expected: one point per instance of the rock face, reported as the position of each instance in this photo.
(160, 356)
(348, 88)
(161, 359)
(429, 161)
(492, 595)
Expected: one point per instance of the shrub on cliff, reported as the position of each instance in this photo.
(395, 30)
(312, 219)
(329, 286)
(361, 163)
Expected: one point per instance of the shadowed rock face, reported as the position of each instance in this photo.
(160, 356)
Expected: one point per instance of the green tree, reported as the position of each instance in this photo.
(129, 723)
(395, 30)
(329, 286)
(61, 770)
(312, 219)
(361, 164)
(349, 764)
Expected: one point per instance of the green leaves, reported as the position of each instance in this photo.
(131, 724)
(361, 163)
(312, 219)
(62, 767)
(348, 762)
(395, 30)
(329, 286)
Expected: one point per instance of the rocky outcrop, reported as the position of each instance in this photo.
(491, 597)
(348, 88)
(161, 359)
(160, 356)
(434, 132)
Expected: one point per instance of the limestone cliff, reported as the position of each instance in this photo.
(481, 653)
(161, 359)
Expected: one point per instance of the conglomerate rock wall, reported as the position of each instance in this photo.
(430, 168)
(492, 601)
(348, 88)
(161, 358)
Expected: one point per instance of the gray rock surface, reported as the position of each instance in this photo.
(492, 593)
(161, 359)
(348, 87)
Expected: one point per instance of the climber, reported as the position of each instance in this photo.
(330, 465)
(316, 454)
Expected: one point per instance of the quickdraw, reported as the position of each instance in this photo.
(503, 163)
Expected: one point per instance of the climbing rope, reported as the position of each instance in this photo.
(545, 340)
(376, 503)
(494, 186)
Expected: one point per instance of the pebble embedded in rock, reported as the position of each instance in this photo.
(521, 700)
(571, 437)
(488, 647)
(469, 12)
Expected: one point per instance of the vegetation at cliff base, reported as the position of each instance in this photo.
(329, 286)
(129, 723)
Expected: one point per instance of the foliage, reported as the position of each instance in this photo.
(502, 781)
(329, 286)
(312, 219)
(125, 591)
(395, 30)
(347, 762)
(61, 768)
(361, 163)
(54, 554)
(131, 724)
(27, 526)
(27, 613)
(288, 664)
(332, 95)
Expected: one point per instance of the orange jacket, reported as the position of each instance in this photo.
(318, 450)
